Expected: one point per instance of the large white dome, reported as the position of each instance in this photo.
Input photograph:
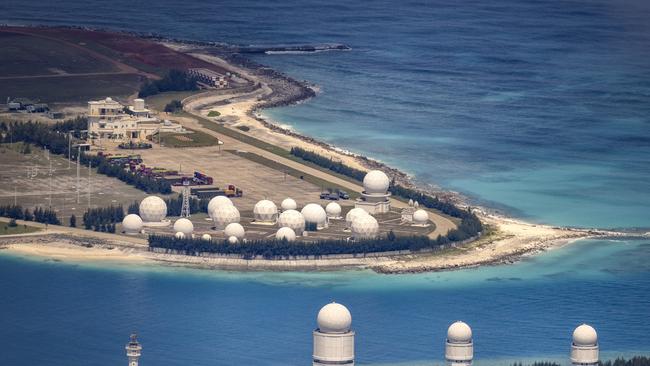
(288, 204)
(333, 210)
(315, 214)
(265, 211)
(459, 332)
(293, 220)
(353, 214)
(235, 229)
(365, 227)
(216, 201)
(334, 318)
(184, 225)
(285, 233)
(585, 335)
(223, 215)
(376, 182)
(153, 209)
(132, 224)
(420, 217)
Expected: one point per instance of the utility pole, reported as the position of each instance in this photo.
(50, 174)
(78, 172)
(90, 164)
(185, 208)
(69, 149)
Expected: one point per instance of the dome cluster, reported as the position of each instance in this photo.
(334, 318)
(223, 215)
(364, 227)
(293, 220)
(265, 211)
(218, 201)
(376, 182)
(315, 214)
(353, 214)
(153, 209)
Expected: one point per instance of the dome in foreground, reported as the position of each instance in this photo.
(293, 220)
(459, 332)
(235, 229)
(179, 235)
(376, 182)
(233, 240)
(334, 318)
(265, 210)
(223, 215)
(184, 225)
(585, 335)
(333, 210)
(364, 227)
(353, 214)
(420, 217)
(153, 209)
(314, 213)
(206, 237)
(285, 233)
(132, 224)
(217, 201)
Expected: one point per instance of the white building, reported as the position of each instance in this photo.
(209, 77)
(333, 339)
(108, 119)
(375, 196)
(133, 350)
(459, 347)
(584, 348)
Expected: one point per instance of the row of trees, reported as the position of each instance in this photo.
(174, 106)
(328, 163)
(281, 249)
(55, 139)
(96, 217)
(175, 80)
(634, 361)
(469, 226)
(46, 216)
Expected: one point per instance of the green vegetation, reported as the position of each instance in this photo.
(214, 114)
(103, 218)
(281, 249)
(12, 228)
(196, 205)
(243, 128)
(159, 101)
(55, 139)
(134, 145)
(327, 163)
(174, 106)
(175, 80)
(194, 139)
(73, 221)
(46, 216)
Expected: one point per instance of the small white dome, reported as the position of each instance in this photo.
(234, 229)
(233, 240)
(376, 182)
(459, 332)
(420, 217)
(132, 224)
(585, 335)
(364, 227)
(223, 215)
(411, 202)
(293, 220)
(333, 209)
(285, 233)
(353, 214)
(153, 209)
(206, 237)
(179, 235)
(334, 318)
(265, 211)
(184, 225)
(314, 213)
(216, 201)
(288, 204)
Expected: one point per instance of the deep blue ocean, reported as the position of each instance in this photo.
(540, 109)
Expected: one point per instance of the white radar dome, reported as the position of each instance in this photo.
(153, 209)
(365, 227)
(233, 240)
(293, 220)
(420, 217)
(285, 233)
(585, 335)
(179, 235)
(223, 215)
(206, 237)
(265, 211)
(353, 214)
(376, 182)
(216, 201)
(459, 332)
(315, 214)
(132, 224)
(334, 318)
(184, 226)
(234, 229)
(333, 210)
(288, 204)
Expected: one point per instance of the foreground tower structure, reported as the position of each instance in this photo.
(333, 339)
(133, 350)
(584, 348)
(459, 347)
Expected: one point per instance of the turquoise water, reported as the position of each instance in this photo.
(65, 314)
(539, 109)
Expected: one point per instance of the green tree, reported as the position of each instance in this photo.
(73, 221)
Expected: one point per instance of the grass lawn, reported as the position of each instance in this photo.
(5, 229)
(196, 139)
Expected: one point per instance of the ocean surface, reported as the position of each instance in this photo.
(539, 109)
